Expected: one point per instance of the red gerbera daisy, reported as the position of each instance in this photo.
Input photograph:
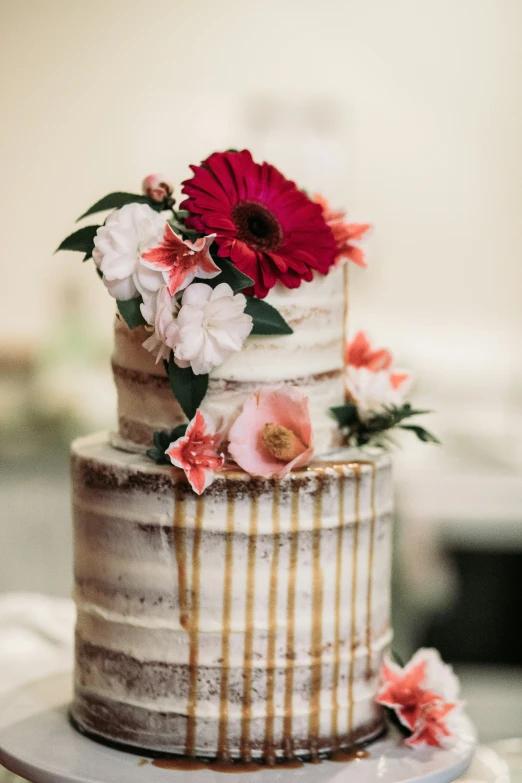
(268, 228)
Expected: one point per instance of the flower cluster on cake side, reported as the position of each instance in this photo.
(197, 277)
(422, 699)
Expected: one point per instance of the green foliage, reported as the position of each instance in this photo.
(346, 415)
(231, 275)
(81, 240)
(162, 441)
(131, 313)
(188, 388)
(376, 428)
(116, 201)
(267, 320)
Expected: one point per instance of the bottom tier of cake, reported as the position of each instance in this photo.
(246, 623)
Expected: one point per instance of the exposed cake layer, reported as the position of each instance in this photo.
(249, 621)
(311, 358)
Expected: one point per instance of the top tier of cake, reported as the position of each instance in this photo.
(311, 358)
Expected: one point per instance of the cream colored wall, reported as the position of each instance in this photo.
(423, 104)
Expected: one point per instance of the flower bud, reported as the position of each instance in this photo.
(156, 187)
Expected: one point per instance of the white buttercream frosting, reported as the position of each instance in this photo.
(311, 357)
(285, 585)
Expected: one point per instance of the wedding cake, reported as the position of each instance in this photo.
(232, 539)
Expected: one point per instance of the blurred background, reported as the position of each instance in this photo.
(409, 114)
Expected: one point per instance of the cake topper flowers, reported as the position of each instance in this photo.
(375, 397)
(348, 236)
(268, 228)
(424, 697)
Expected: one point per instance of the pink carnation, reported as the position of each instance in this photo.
(273, 433)
(157, 187)
(196, 452)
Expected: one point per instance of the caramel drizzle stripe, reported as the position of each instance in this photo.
(345, 318)
(179, 526)
(190, 741)
(290, 628)
(223, 752)
(370, 579)
(317, 622)
(246, 710)
(337, 610)
(353, 641)
(272, 632)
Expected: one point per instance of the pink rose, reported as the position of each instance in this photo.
(273, 433)
(157, 187)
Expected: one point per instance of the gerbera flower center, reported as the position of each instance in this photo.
(256, 225)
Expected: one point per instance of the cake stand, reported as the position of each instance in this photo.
(38, 743)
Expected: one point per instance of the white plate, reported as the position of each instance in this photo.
(38, 743)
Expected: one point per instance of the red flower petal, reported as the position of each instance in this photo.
(271, 230)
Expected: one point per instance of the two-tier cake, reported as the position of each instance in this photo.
(232, 543)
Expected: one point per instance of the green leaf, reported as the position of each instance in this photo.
(346, 415)
(81, 240)
(267, 320)
(188, 388)
(421, 433)
(162, 441)
(231, 275)
(131, 313)
(115, 201)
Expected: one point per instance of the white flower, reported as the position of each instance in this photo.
(160, 311)
(118, 248)
(373, 391)
(212, 325)
(440, 677)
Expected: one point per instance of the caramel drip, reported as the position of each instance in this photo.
(179, 526)
(290, 628)
(223, 753)
(190, 741)
(181, 763)
(246, 710)
(345, 321)
(370, 578)
(269, 753)
(233, 767)
(337, 612)
(317, 623)
(344, 756)
(353, 640)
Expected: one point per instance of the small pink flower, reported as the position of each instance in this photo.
(157, 187)
(370, 379)
(181, 261)
(422, 694)
(359, 353)
(347, 235)
(273, 433)
(431, 727)
(196, 452)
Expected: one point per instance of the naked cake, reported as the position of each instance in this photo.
(233, 538)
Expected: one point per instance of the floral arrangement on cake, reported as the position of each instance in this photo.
(422, 699)
(197, 277)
